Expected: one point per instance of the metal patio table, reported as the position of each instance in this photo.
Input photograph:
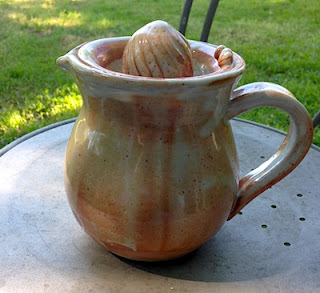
(273, 245)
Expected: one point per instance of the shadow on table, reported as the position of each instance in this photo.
(219, 261)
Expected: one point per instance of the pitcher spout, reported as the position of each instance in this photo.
(64, 62)
(68, 61)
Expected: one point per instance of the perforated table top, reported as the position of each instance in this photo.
(272, 246)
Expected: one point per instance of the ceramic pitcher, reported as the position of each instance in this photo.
(151, 168)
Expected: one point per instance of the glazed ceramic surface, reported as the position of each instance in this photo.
(151, 169)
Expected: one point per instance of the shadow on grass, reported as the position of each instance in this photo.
(34, 33)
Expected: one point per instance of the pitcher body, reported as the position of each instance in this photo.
(152, 177)
(151, 170)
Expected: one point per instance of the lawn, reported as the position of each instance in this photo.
(279, 39)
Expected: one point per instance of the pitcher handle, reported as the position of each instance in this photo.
(290, 153)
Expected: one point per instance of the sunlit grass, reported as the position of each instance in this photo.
(45, 108)
(15, 120)
(278, 39)
(64, 19)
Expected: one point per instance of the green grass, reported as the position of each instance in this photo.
(279, 39)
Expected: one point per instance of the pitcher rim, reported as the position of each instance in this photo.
(79, 57)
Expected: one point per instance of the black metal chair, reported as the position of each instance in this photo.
(208, 20)
(206, 30)
(316, 119)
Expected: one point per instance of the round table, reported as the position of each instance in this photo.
(273, 245)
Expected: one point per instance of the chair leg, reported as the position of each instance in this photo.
(316, 119)
(208, 21)
(185, 16)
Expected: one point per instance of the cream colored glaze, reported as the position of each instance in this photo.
(141, 186)
(151, 170)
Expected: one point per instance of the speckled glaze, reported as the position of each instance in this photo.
(151, 170)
